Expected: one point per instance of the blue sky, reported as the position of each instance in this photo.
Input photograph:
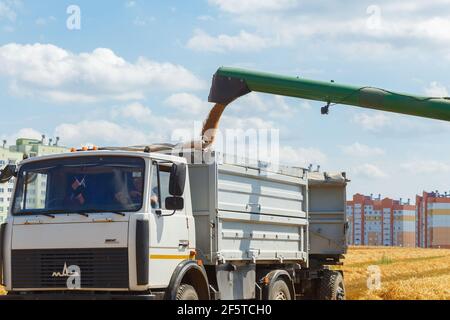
(138, 70)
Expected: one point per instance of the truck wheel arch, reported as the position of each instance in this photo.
(189, 272)
(275, 275)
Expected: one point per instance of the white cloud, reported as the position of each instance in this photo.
(243, 42)
(100, 132)
(282, 108)
(27, 133)
(135, 111)
(369, 171)
(398, 25)
(130, 4)
(305, 105)
(250, 104)
(273, 106)
(413, 6)
(245, 123)
(301, 157)
(49, 72)
(426, 167)
(252, 6)
(161, 127)
(360, 150)
(436, 89)
(8, 10)
(371, 122)
(188, 104)
(247, 106)
(190, 113)
(393, 126)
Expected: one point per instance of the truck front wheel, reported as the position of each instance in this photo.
(331, 286)
(186, 292)
(280, 291)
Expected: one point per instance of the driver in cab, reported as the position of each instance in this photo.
(134, 194)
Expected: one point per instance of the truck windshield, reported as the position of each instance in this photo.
(80, 185)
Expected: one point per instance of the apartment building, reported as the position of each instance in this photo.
(381, 222)
(433, 220)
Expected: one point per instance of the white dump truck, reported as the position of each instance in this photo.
(124, 224)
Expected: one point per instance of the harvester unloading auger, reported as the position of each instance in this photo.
(230, 84)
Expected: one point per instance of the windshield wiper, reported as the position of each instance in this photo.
(83, 214)
(107, 211)
(51, 213)
(69, 212)
(119, 213)
(36, 214)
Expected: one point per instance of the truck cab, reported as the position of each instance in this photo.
(112, 216)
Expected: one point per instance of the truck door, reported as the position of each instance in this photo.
(169, 233)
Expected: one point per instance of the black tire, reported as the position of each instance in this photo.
(331, 286)
(187, 292)
(280, 291)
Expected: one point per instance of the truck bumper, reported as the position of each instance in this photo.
(80, 296)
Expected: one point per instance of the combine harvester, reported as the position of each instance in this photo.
(143, 223)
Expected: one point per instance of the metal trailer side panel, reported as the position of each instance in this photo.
(327, 212)
(254, 238)
(245, 215)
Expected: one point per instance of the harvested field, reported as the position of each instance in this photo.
(406, 273)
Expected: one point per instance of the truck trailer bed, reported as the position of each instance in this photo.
(249, 214)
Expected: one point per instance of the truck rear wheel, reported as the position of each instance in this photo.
(186, 292)
(331, 286)
(280, 291)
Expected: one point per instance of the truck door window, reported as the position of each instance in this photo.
(160, 185)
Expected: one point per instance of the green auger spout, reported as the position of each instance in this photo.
(231, 83)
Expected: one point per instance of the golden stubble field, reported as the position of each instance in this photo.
(406, 273)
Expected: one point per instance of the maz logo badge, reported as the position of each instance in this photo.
(73, 275)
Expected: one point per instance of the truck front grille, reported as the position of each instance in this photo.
(44, 269)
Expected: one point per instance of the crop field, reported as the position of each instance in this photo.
(405, 273)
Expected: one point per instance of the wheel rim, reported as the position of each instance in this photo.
(281, 296)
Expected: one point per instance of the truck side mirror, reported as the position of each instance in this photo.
(8, 173)
(175, 203)
(177, 179)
